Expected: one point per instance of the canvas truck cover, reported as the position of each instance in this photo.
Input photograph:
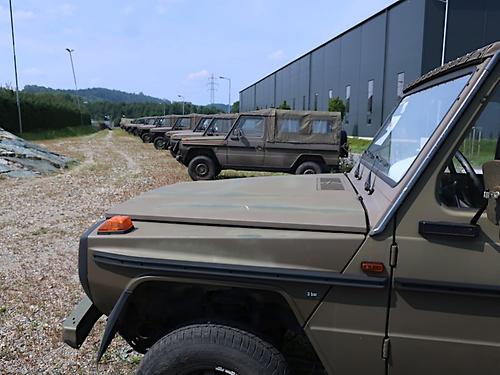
(301, 126)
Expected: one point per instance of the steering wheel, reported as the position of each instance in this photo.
(473, 196)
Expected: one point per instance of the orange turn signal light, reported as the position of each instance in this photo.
(372, 267)
(116, 225)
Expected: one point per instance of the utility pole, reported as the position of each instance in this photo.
(229, 102)
(15, 69)
(183, 101)
(212, 87)
(445, 29)
(70, 51)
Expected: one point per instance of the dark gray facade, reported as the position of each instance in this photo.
(372, 61)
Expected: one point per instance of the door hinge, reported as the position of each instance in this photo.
(386, 348)
(394, 255)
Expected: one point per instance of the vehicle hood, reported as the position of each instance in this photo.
(179, 133)
(161, 129)
(202, 140)
(309, 202)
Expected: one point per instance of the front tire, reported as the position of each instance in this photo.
(146, 138)
(209, 349)
(160, 143)
(309, 167)
(202, 168)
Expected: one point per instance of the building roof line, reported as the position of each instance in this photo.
(325, 43)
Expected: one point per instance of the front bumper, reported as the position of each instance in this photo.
(77, 326)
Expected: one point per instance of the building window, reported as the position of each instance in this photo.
(304, 103)
(401, 84)
(330, 94)
(316, 101)
(293, 104)
(347, 102)
(370, 102)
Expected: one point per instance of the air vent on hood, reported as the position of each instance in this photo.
(330, 183)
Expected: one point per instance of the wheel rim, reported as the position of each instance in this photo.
(160, 143)
(201, 169)
(309, 171)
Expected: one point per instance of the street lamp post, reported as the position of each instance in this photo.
(229, 103)
(70, 51)
(183, 101)
(15, 69)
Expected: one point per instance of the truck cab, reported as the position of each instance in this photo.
(268, 140)
(392, 268)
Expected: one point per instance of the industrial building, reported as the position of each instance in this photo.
(368, 65)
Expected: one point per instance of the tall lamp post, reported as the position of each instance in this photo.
(15, 69)
(183, 101)
(229, 103)
(70, 52)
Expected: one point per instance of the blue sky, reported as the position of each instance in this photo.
(167, 47)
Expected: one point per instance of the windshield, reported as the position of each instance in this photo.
(410, 126)
(202, 126)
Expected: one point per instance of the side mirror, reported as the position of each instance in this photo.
(236, 135)
(491, 174)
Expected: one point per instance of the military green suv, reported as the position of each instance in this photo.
(268, 140)
(393, 268)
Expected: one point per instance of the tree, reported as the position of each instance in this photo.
(336, 105)
(284, 105)
(235, 108)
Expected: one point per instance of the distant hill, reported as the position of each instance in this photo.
(99, 94)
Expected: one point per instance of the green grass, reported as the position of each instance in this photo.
(357, 145)
(74, 131)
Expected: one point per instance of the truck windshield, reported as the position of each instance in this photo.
(409, 127)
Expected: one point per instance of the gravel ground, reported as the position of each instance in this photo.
(41, 220)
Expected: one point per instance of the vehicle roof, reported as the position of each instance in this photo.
(472, 58)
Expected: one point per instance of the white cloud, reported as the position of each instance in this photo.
(19, 15)
(198, 75)
(162, 6)
(67, 9)
(128, 10)
(276, 55)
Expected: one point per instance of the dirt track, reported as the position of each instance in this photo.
(41, 220)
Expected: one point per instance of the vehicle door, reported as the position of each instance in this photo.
(283, 152)
(445, 305)
(245, 143)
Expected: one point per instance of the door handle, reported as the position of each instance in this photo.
(259, 148)
(442, 228)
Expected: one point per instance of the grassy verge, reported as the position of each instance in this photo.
(358, 145)
(74, 131)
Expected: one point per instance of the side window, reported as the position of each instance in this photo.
(288, 125)
(461, 183)
(184, 123)
(252, 127)
(221, 126)
(321, 127)
(202, 126)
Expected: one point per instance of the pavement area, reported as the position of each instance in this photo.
(41, 219)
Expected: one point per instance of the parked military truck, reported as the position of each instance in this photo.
(129, 127)
(143, 131)
(215, 126)
(183, 122)
(392, 268)
(268, 140)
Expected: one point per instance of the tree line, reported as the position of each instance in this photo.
(54, 110)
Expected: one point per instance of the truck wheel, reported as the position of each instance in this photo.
(209, 349)
(160, 143)
(146, 138)
(308, 167)
(202, 168)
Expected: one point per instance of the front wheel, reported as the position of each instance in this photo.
(146, 137)
(202, 168)
(308, 167)
(209, 349)
(160, 143)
